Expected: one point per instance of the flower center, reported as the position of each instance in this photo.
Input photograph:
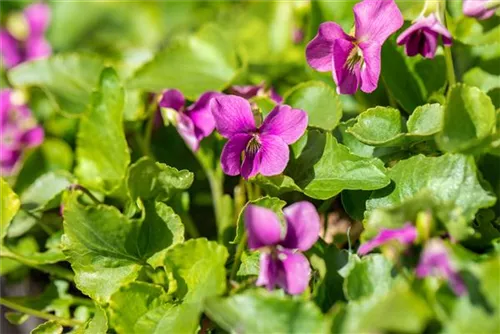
(253, 145)
(355, 57)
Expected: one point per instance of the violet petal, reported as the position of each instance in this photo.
(405, 235)
(319, 51)
(232, 115)
(231, 153)
(303, 226)
(376, 20)
(262, 225)
(287, 123)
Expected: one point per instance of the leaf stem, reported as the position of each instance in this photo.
(86, 192)
(39, 314)
(237, 256)
(450, 69)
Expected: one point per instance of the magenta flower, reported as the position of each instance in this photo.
(405, 235)
(435, 261)
(355, 60)
(480, 9)
(423, 35)
(266, 146)
(249, 91)
(281, 262)
(28, 41)
(194, 122)
(18, 131)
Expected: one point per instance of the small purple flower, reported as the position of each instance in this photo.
(281, 263)
(18, 131)
(435, 261)
(405, 235)
(355, 60)
(423, 35)
(249, 91)
(28, 43)
(298, 35)
(480, 9)
(194, 122)
(266, 146)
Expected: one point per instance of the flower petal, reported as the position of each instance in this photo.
(250, 165)
(347, 79)
(37, 48)
(319, 51)
(268, 271)
(294, 271)
(405, 235)
(376, 20)
(272, 156)
(38, 17)
(201, 115)
(287, 123)
(187, 131)
(5, 106)
(370, 71)
(33, 137)
(9, 50)
(8, 160)
(246, 91)
(303, 226)
(435, 261)
(275, 96)
(173, 99)
(263, 227)
(478, 9)
(231, 153)
(232, 115)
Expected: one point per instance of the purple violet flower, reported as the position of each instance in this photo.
(480, 9)
(249, 91)
(423, 35)
(265, 146)
(405, 235)
(435, 261)
(25, 40)
(281, 262)
(18, 131)
(354, 60)
(194, 122)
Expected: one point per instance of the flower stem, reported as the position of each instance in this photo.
(39, 314)
(86, 192)
(237, 256)
(450, 69)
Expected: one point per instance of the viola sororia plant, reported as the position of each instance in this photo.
(250, 166)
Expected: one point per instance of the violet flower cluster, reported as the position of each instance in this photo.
(18, 131)
(434, 260)
(25, 40)
(265, 147)
(281, 262)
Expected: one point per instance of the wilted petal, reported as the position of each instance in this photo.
(201, 115)
(37, 17)
(272, 157)
(347, 77)
(294, 271)
(263, 227)
(33, 137)
(478, 9)
(376, 20)
(435, 261)
(173, 99)
(231, 153)
(9, 50)
(187, 131)
(37, 48)
(405, 235)
(319, 51)
(370, 71)
(287, 123)
(303, 226)
(232, 115)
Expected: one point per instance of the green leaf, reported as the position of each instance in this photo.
(367, 277)
(49, 327)
(203, 62)
(319, 100)
(273, 203)
(249, 264)
(106, 249)
(470, 31)
(450, 179)
(148, 179)
(16, 318)
(102, 151)
(68, 79)
(469, 117)
(276, 185)
(352, 142)
(99, 322)
(45, 192)
(481, 79)
(322, 167)
(10, 204)
(260, 312)
(400, 80)
(378, 126)
(426, 120)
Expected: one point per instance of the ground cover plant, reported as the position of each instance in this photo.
(250, 166)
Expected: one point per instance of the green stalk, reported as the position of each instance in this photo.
(450, 69)
(39, 314)
(237, 256)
